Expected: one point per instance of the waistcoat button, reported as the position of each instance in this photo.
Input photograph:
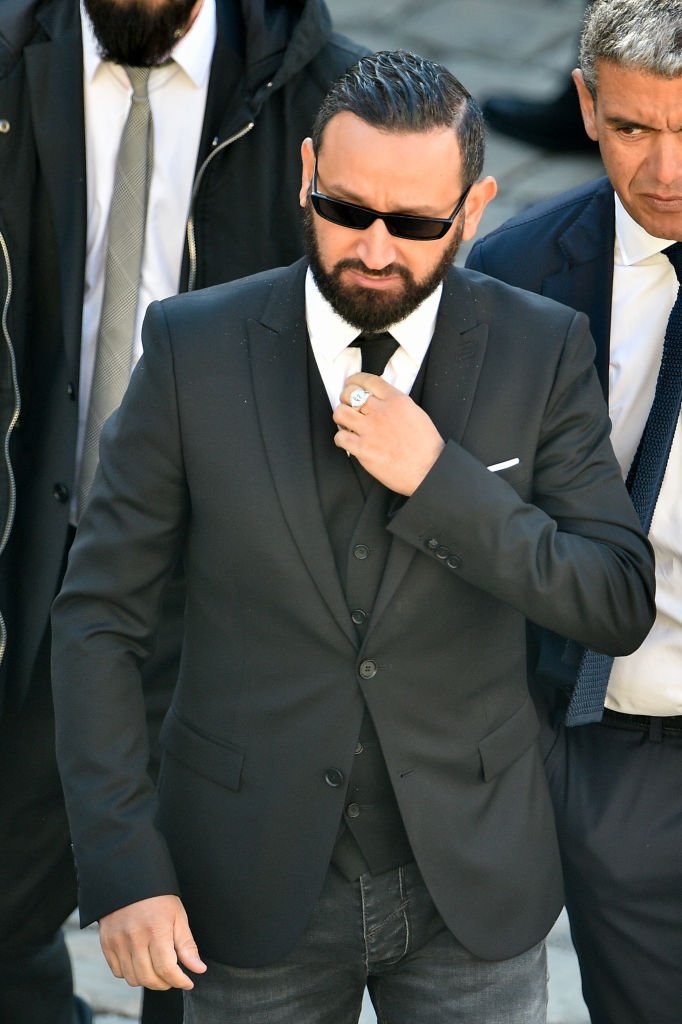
(334, 777)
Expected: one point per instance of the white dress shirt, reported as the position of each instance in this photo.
(648, 682)
(177, 96)
(330, 335)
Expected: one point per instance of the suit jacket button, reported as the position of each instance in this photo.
(431, 544)
(60, 493)
(353, 811)
(454, 562)
(358, 616)
(368, 669)
(442, 552)
(334, 777)
(361, 551)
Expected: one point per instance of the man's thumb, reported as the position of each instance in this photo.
(186, 948)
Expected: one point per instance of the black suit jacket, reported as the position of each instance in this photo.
(211, 455)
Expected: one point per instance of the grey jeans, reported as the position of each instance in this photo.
(384, 933)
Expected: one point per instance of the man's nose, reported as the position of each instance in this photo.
(665, 159)
(376, 246)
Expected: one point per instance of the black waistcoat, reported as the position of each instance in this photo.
(355, 507)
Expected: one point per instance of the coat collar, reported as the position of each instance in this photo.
(585, 280)
(55, 85)
(278, 347)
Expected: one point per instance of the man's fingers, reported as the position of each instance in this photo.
(376, 386)
(113, 961)
(143, 942)
(165, 971)
(391, 436)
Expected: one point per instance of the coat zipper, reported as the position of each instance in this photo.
(191, 239)
(12, 492)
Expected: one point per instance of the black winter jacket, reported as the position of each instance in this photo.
(272, 66)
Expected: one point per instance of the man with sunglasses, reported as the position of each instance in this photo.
(351, 791)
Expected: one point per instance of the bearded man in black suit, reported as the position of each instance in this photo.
(351, 791)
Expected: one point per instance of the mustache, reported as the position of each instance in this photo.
(389, 271)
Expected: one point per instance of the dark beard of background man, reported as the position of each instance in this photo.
(136, 32)
(372, 309)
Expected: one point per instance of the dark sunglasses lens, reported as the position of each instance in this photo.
(345, 214)
(356, 217)
(415, 228)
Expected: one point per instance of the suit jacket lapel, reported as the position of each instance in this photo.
(278, 349)
(586, 281)
(454, 364)
(55, 82)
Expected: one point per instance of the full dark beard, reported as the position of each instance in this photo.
(136, 33)
(371, 309)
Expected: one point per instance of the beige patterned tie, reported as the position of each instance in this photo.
(113, 361)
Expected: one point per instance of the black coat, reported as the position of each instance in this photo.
(271, 68)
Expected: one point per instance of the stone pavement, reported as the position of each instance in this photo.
(493, 46)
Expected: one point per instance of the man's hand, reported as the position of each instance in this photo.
(145, 942)
(390, 436)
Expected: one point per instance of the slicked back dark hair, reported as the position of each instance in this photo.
(398, 91)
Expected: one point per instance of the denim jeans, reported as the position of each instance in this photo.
(384, 933)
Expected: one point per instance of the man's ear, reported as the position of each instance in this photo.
(482, 192)
(307, 168)
(587, 105)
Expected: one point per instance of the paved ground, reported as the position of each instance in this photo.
(493, 46)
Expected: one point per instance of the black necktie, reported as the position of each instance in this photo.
(376, 351)
(644, 484)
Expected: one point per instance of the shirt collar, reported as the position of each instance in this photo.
(193, 53)
(633, 243)
(331, 334)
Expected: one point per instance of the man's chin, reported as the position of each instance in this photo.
(371, 309)
(137, 33)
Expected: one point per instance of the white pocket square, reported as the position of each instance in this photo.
(497, 466)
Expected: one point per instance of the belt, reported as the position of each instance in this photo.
(656, 726)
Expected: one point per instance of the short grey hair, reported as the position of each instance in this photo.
(645, 35)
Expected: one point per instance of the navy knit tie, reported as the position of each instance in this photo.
(644, 484)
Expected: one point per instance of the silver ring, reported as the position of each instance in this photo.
(358, 397)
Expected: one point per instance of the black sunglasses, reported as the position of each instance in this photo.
(402, 225)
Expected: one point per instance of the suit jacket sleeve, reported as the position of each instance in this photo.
(572, 558)
(103, 627)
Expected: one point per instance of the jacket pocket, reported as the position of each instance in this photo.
(509, 741)
(214, 759)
